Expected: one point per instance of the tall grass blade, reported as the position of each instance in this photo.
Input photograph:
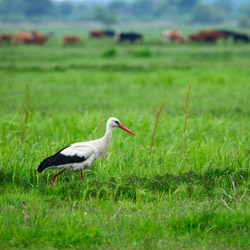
(24, 115)
(186, 111)
(157, 119)
(239, 137)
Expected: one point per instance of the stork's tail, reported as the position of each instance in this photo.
(44, 164)
(50, 161)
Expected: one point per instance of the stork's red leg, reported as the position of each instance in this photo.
(82, 176)
(54, 177)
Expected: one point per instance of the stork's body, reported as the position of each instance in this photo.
(81, 155)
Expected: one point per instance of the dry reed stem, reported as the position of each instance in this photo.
(25, 215)
(233, 197)
(24, 115)
(157, 119)
(186, 111)
(118, 210)
(239, 137)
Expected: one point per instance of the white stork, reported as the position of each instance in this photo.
(81, 155)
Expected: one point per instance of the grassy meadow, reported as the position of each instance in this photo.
(131, 199)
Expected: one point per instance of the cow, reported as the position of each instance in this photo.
(68, 39)
(241, 38)
(128, 36)
(5, 38)
(195, 38)
(237, 37)
(32, 37)
(172, 35)
(101, 33)
(23, 37)
(211, 35)
(39, 38)
(207, 36)
(97, 33)
(109, 33)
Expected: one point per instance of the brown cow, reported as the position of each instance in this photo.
(39, 38)
(97, 33)
(68, 39)
(212, 35)
(29, 37)
(207, 36)
(23, 37)
(196, 38)
(172, 35)
(5, 38)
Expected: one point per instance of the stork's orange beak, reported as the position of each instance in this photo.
(126, 129)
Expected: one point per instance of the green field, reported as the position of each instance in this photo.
(131, 199)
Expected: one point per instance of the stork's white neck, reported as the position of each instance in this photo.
(105, 141)
(108, 134)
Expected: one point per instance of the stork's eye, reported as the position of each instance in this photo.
(117, 122)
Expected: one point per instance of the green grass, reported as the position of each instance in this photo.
(131, 199)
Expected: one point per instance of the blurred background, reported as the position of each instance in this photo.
(111, 12)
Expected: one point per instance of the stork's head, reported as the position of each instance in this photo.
(114, 122)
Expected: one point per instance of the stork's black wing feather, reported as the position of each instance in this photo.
(59, 159)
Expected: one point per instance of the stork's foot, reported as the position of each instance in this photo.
(54, 177)
(82, 176)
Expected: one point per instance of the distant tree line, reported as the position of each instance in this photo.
(117, 10)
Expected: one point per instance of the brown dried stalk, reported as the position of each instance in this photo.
(186, 111)
(157, 119)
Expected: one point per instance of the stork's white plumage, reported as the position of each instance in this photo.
(81, 155)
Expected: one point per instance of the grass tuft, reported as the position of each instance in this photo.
(111, 52)
(143, 53)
